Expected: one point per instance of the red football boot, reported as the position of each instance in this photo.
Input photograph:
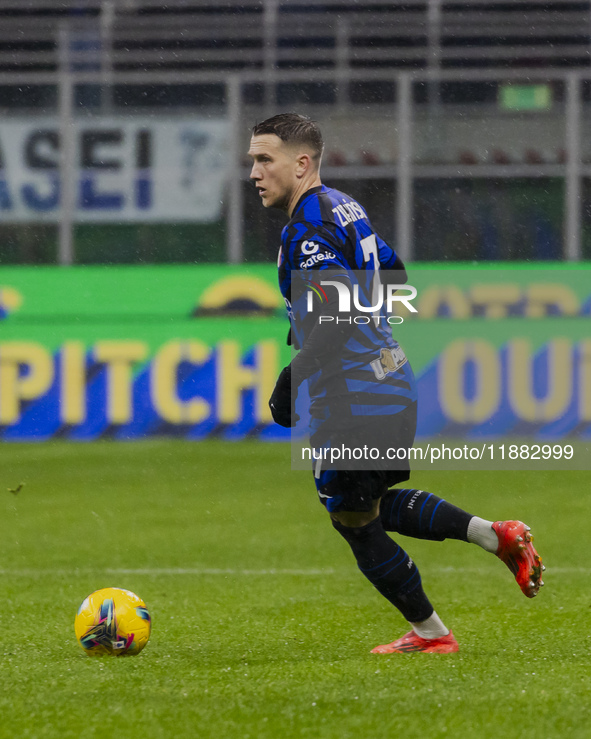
(518, 553)
(412, 642)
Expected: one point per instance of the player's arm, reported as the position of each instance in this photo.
(391, 262)
(400, 270)
(327, 337)
(316, 254)
(324, 342)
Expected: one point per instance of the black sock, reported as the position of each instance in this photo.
(388, 568)
(423, 515)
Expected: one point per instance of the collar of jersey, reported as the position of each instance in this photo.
(311, 191)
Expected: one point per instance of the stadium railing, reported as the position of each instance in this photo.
(145, 35)
(402, 150)
(390, 82)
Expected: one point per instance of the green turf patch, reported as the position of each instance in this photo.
(262, 625)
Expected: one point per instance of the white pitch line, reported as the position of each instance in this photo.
(200, 571)
(163, 571)
(217, 571)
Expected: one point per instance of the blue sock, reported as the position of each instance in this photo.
(388, 568)
(423, 515)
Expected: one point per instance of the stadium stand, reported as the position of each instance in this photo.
(293, 34)
(341, 61)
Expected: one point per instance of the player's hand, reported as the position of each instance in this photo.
(282, 401)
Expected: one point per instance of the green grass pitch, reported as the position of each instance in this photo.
(262, 624)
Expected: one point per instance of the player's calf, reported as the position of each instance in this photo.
(391, 571)
(388, 567)
(422, 515)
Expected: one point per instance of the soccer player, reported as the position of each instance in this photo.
(357, 376)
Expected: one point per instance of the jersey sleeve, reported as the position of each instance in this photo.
(386, 254)
(314, 248)
(390, 262)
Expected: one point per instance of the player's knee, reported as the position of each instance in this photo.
(363, 532)
(356, 519)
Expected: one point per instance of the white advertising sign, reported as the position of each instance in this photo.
(125, 170)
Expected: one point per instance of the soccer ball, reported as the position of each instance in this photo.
(112, 621)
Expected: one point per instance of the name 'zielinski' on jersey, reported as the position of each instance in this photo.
(348, 212)
(329, 230)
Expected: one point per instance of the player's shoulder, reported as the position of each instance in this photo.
(312, 247)
(329, 208)
(313, 238)
(344, 209)
(316, 213)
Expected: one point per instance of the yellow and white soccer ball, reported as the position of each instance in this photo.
(112, 621)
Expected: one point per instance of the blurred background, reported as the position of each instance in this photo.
(461, 126)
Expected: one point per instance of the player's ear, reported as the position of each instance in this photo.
(303, 164)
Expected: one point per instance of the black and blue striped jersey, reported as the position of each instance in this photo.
(329, 236)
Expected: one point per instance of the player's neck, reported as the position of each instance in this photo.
(305, 185)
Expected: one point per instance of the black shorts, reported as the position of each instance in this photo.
(356, 490)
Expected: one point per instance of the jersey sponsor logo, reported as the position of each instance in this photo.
(348, 212)
(310, 247)
(315, 258)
